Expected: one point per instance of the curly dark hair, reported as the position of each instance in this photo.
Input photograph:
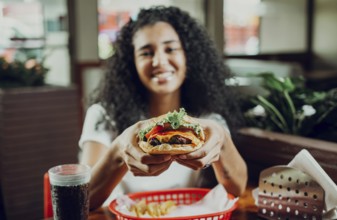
(203, 91)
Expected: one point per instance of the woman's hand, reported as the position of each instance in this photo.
(210, 151)
(220, 151)
(137, 161)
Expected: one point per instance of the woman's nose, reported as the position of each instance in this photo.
(159, 59)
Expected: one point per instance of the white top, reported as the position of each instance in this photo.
(177, 176)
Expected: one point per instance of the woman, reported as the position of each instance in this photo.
(163, 60)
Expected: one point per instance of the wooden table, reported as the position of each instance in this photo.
(246, 209)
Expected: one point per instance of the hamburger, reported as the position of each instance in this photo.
(172, 133)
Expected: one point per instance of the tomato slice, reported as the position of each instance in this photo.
(154, 130)
(162, 128)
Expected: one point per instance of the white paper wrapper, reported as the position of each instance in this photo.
(306, 163)
(123, 205)
(214, 201)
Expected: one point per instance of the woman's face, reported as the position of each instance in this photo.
(159, 57)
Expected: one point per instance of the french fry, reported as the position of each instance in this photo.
(153, 209)
(139, 208)
(167, 207)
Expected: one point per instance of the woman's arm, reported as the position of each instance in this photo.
(92, 151)
(230, 170)
(107, 170)
(110, 164)
(106, 174)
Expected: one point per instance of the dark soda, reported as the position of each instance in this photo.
(70, 202)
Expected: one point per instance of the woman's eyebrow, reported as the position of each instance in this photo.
(170, 41)
(147, 46)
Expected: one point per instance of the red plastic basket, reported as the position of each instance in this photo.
(183, 196)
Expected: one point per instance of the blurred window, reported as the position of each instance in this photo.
(242, 23)
(253, 27)
(21, 30)
(37, 29)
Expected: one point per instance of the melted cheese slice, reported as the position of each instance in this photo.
(164, 137)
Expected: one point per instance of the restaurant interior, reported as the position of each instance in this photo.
(41, 116)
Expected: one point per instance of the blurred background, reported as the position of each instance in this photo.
(72, 39)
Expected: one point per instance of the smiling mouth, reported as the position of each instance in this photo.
(162, 77)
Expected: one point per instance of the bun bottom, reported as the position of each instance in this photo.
(168, 148)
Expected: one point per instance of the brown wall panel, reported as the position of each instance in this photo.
(39, 128)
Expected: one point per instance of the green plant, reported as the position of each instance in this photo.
(290, 107)
(19, 74)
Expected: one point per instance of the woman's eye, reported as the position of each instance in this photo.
(147, 53)
(171, 49)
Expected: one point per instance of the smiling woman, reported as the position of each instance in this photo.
(163, 60)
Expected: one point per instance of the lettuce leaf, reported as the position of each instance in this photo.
(175, 119)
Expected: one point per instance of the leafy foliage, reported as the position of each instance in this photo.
(21, 74)
(290, 107)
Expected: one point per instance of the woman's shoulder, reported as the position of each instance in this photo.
(216, 117)
(99, 116)
(213, 116)
(94, 126)
(99, 113)
(96, 107)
